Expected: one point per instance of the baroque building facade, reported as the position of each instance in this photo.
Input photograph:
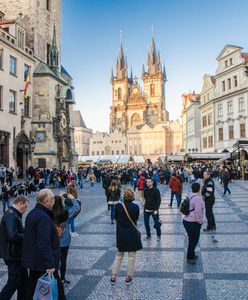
(16, 59)
(52, 86)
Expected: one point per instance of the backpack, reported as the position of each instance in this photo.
(184, 208)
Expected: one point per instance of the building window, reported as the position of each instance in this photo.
(112, 152)
(102, 152)
(226, 63)
(220, 134)
(92, 153)
(230, 130)
(26, 106)
(231, 61)
(210, 141)
(12, 101)
(1, 59)
(152, 89)
(119, 93)
(48, 54)
(223, 86)
(235, 81)
(122, 152)
(48, 7)
(97, 152)
(204, 121)
(117, 152)
(12, 65)
(1, 97)
(229, 83)
(229, 107)
(241, 104)
(26, 72)
(210, 119)
(242, 130)
(220, 112)
(205, 143)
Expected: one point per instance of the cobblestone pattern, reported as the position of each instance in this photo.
(162, 273)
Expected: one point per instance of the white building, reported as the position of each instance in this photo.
(207, 115)
(231, 97)
(114, 143)
(82, 134)
(191, 122)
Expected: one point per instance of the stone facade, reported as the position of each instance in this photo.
(16, 61)
(114, 143)
(231, 98)
(191, 122)
(82, 134)
(52, 85)
(207, 114)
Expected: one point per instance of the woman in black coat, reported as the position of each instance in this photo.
(128, 237)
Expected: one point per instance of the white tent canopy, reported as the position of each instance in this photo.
(175, 158)
(138, 159)
(124, 159)
(106, 158)
(88, 158)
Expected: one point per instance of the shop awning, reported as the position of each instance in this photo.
(225, 157)
(124, 159)
(175, 158)
(139, 159)
(88, 158)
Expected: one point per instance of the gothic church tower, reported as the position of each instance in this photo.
(121, 87)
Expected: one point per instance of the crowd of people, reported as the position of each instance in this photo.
(50, 224)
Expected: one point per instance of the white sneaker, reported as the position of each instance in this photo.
(74, 234)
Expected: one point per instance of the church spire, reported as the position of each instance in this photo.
(153, 59)
(121, 64)
(54, 50)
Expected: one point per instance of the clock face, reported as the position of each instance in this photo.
(40, 136)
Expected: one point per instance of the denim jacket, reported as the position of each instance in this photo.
(65, 239)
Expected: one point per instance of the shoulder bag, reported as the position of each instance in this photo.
(129, 218)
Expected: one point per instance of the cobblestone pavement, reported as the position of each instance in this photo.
(221, 271)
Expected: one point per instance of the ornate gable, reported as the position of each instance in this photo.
(228, 49)
(136, 96)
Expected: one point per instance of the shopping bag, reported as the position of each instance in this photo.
(46, 288)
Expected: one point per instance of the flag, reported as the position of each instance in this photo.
(27, 78)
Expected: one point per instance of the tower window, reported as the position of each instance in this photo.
(48, 5)
(119, 93)
(48, 54)
(152, 90)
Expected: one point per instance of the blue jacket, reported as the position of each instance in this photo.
(65, 239)
(41, 250)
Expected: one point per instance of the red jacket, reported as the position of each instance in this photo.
(141, 183)
(175, 184)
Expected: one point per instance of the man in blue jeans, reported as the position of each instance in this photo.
(152, 203)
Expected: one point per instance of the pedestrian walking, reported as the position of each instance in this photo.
(141, 186)
(193, 221)
(226, 180)
(207, 192)
(113, 198)
(128, 238)
(152, 203)
(41, 248)
(175, 186)
(11, 238)
(72, 190)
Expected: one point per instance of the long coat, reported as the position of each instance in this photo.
(41, 249)
(127, 237)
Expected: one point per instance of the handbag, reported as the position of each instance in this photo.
(46, 288)
(157, 224)
(129, 218)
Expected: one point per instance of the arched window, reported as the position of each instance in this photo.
(119, 93)
(135, 119)
(152, 90)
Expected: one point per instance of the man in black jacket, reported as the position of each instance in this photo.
(209, 199)
(152, 204)
(11, 237)
(41, 248)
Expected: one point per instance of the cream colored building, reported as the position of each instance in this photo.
(16, 59)
(114, 143)
(231, 98)
(191, 122)
(53, 94)
(82, 134)
(207, 114)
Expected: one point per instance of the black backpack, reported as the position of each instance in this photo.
(184, 208)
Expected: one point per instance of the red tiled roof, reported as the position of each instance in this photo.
(245, 56)
(190, 96)
(5, 22)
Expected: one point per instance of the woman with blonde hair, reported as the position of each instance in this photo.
(128, 237)
(114, 194)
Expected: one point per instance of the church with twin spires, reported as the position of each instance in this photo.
(140, 113)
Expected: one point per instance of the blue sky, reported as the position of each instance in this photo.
(189, 34)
